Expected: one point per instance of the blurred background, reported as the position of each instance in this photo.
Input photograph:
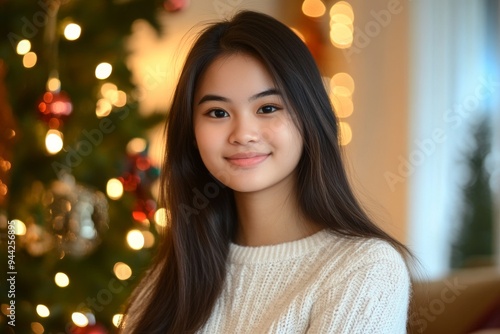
(85, 87)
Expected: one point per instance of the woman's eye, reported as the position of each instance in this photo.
(267, 110)
(218, 113)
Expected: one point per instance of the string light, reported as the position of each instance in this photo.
(23, 47)
(79, 319)
(341, 36)
(29, 60)
(136, 146)
(345, 133)
(344, 8)
(72, 31)
(19, 227)
(341, 90)
(54, 141)
(121, 99)
(135, 239)
(114, 189)
(160, 217)
(343, 106)
(313, 8)
(103, 108)
(42, 310)
(122, 271)
(149, 239)
(103, 71)
(341, 25)
(37, 328)
(343, 79)
(53, 85)
(117, 319)
(61, 279)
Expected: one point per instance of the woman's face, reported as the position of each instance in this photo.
(244, 133)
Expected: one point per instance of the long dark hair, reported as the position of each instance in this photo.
(179, 292)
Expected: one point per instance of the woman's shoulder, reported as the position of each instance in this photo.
(358, 255)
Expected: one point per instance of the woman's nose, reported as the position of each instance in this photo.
(244, 130)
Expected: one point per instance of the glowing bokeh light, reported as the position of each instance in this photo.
(122, 271)
(54, 141)
(345, 133)
(103, 71)
(42, 310)
(23, 47)
(72, 31)
(79, 319)
(117, 319)
(29, 60)
(61, 279)
(114, 189)
(313, 8)
(135, 239)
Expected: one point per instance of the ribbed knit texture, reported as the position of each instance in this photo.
(320, 284)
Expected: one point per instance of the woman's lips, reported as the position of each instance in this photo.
(247, 159)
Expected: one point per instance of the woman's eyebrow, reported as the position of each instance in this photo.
(213, 97)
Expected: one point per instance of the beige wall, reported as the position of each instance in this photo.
(378, 61)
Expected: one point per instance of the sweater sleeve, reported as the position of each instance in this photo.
(373, 299)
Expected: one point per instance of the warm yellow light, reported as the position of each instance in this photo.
(54, 85)
(29, 60)
(117, 318)
(72, 31)
(343, 79)
(342, 7)
(103, 108)
(342, 19)
(345, 133)
(42, 310)
(61, 279)
(313, 8)
(19, 227)
(149, 239)
(79, 319)
(121, 99)
(161, 217)
(343, 106)
(135, 239)
(103, 71)
(340, 35)
(114, 189)
(122, 271)
(298, 33)
(53, 141)
(107, 88)
(136, 145)
(23, 47)
(37, 328)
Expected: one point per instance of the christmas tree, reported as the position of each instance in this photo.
(473, 245)
(75, 177)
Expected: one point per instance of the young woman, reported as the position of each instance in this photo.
(264, 234)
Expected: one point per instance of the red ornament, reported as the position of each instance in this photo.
(55, 106)
(175, 5)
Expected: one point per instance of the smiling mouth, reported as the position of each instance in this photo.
(247, 159)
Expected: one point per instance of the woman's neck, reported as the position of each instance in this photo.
(271, 216)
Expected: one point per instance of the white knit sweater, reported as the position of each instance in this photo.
(320, 284)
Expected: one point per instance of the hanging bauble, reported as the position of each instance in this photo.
(78, 216)
(55, 106)
(175, 5)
